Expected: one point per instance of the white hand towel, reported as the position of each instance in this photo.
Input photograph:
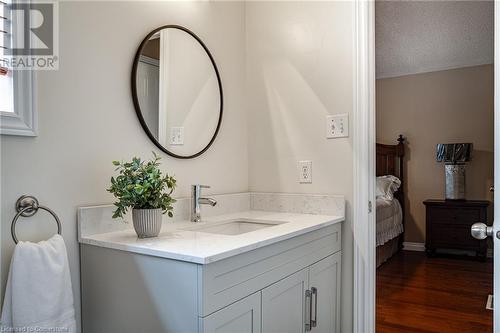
(38, 297)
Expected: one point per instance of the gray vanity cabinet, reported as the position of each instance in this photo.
(290, 305)
(280, 287)
(284, 304)
(325, 277)
(243, 316)
(305, 301)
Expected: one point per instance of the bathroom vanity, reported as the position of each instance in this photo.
(265, 263)
(251, 271)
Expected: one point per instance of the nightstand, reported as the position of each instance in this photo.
(448, 224)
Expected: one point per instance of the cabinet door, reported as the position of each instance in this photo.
(243, 316)
(324, 282)
(283, 304)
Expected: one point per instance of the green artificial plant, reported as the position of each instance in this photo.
(141, 185)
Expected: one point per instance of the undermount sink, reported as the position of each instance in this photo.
(235, 227)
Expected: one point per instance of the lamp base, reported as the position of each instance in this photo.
(455, 181)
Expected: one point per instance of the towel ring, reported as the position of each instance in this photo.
(27, 206)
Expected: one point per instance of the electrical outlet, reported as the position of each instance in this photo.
(176, 136)
(305, 172)
(337, 126)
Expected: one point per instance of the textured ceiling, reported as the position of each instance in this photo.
(425, 36)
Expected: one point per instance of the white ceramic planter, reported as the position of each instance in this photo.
(147, 222)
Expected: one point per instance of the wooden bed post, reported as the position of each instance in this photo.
(401, 145)
(401, 154)
(390, 161)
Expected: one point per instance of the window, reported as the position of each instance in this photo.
(6, 79)
(17, 87)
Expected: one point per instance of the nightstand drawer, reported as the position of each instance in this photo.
(452, 236)
(442, 215)
(448, 225)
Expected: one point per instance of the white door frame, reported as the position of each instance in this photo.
(496, 213)
(364, 167)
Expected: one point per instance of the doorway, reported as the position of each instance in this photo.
(434, 90)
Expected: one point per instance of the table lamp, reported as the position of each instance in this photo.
(454, 156)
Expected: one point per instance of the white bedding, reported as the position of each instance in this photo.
(389, 220)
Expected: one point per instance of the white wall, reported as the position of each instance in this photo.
(300, 69)
(87, 117)
(189, 92)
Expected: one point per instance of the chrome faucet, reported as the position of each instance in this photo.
(197, 200)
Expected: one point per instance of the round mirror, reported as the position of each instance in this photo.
(177, 91)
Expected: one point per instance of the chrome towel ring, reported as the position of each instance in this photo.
(27, 206)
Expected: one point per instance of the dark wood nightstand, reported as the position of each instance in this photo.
(448, 224)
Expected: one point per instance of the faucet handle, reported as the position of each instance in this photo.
(198, 187)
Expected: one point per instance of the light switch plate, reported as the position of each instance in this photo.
(337, 126)
(176, 136)
(305, 172)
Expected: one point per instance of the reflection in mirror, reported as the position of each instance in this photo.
(177, 92)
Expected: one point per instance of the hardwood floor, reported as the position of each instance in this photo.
(417, 294)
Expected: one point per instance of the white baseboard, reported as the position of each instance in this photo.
(412, 246)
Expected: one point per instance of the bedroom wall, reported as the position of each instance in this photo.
(300, 69)
(431, 108)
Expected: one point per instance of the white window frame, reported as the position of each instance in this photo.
(24, 120)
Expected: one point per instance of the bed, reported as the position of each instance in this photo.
(390, 214)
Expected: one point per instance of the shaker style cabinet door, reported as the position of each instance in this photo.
(324, 283)
(241, 317)
(283, 304)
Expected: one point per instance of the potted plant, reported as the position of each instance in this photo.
(141, 186)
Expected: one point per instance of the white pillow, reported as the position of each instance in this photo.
(386, 186)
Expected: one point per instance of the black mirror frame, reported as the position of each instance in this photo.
(136, 100)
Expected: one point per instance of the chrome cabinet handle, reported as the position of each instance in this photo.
(308, 301)
(314, 294)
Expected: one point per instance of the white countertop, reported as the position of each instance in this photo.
(201, 247)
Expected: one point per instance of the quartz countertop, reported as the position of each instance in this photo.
(182, 241)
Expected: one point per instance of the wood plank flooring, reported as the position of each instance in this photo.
(443, 294)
